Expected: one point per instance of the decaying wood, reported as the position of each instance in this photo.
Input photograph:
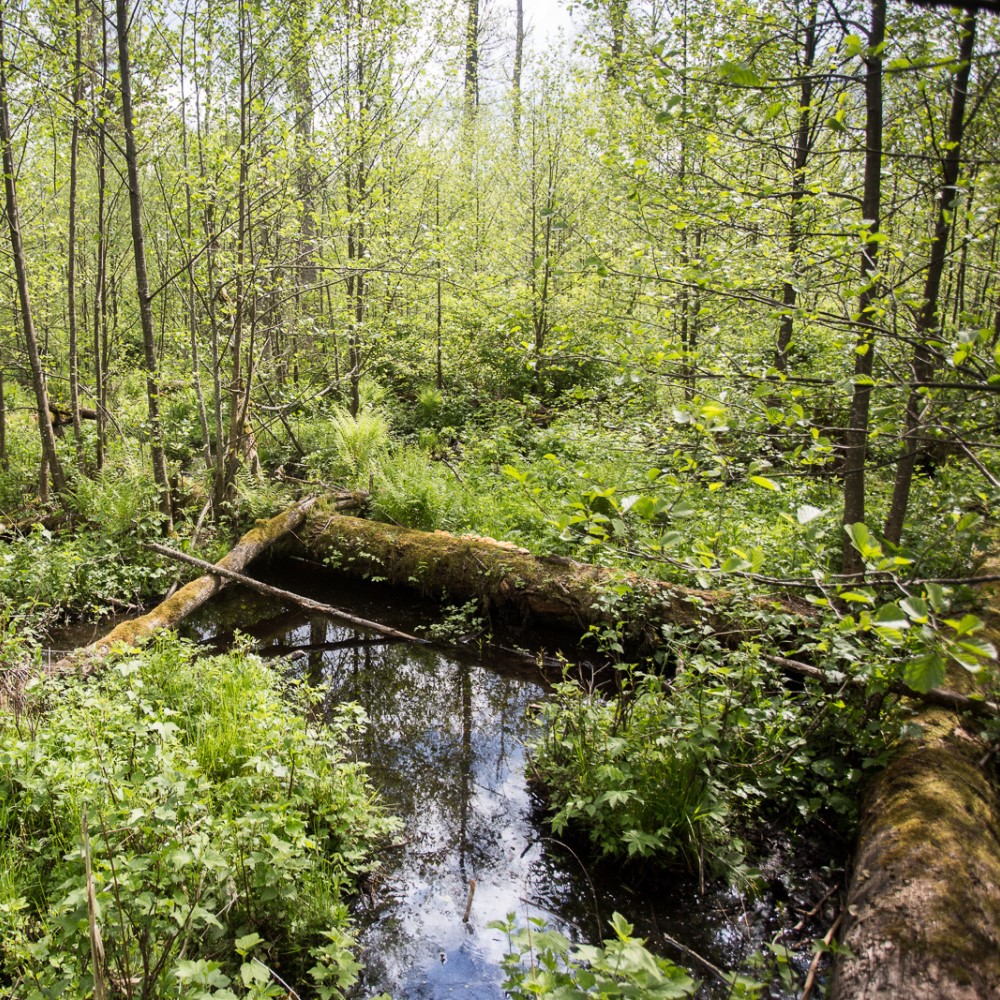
(923, 907)
(282, 595)
(924, 900)
(190, 597)
(59, 417)
(509, 581)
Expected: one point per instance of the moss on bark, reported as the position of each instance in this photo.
(514, 584)
(924, 902)
(193, 595)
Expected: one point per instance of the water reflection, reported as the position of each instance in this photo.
(445, 748)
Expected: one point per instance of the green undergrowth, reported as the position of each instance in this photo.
(225, 829)
(682, 772)
(541, 962)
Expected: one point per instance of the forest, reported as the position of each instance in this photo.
(658, 352)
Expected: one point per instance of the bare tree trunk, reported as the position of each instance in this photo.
(238, 389)
(439, 367)
(518, 66)
(301, 87)
(50, 460)
(74, 157)
(856, 436)
(803, 147)
(141, 274)
(928, 321)
(472, 59)
(4, 460)
(100, 279)
(192, 289)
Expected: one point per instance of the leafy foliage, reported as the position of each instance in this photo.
(541, 962)
(221, 823)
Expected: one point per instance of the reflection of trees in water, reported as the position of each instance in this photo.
(438, 751)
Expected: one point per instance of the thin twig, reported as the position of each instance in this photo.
(700, 959)
(282, 595)
(814, 965)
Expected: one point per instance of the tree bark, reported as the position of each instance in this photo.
(141, 274)
(924, 901)
(76, 97)
(923, 907)
(190, 597)
(929, 321)
(617, 16)
(302, 92)
(472, 58)
(800, 160)
(285, 596)
(856, 436)
(518, 66)
(50, 459)
(510, 582)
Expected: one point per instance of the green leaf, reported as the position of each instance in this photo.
(764, 482)
(966, 625)
(739, 73)
(971, 651)
(925, 673)
(890, 616)
(247, 943)
(856, 597)
(936, 595)
(915, 608)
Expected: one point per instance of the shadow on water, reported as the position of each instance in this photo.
(445, 745)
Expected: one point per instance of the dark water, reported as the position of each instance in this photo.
(445, 742)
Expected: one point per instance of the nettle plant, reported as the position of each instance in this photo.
(204, 826)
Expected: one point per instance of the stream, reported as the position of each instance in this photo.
(445, 745)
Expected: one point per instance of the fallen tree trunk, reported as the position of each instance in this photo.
(513, 583)
(923, 906)
(286, 596)
(924, 900)
(190, 597)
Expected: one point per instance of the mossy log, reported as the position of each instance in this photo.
(513, 584)
(190, 597)
(923, 906)
(923, 909)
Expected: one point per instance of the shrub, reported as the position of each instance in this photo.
(633, 772)
(623, 967)
(221, 822)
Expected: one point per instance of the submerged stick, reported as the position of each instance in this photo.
(468, 901)
(283, 595)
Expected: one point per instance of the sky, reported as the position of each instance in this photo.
(546, 17)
